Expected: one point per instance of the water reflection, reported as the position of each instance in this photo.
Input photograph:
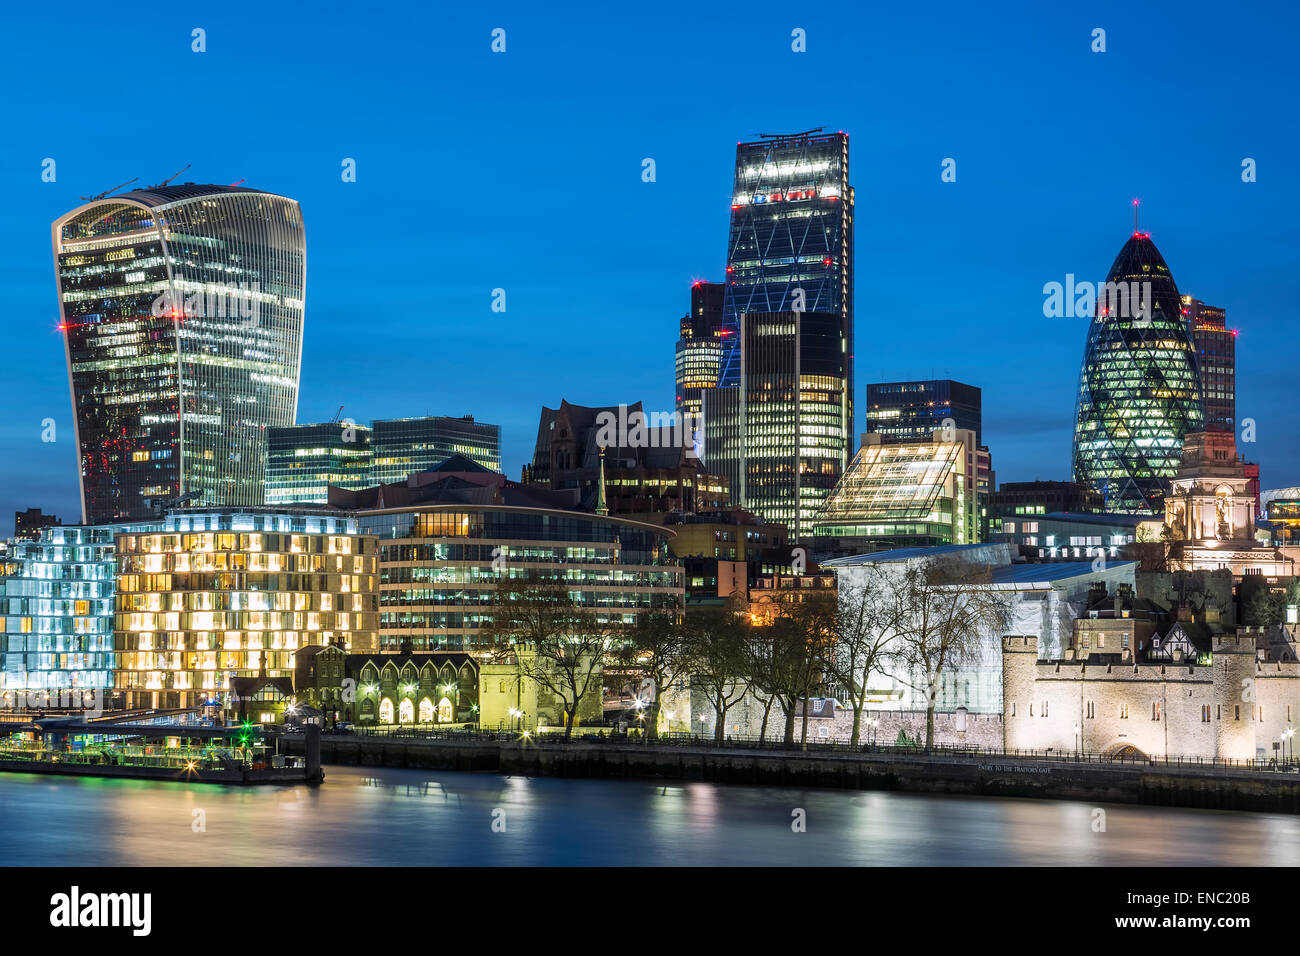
(410, 817)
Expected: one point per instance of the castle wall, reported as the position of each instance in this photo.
(1233, 708)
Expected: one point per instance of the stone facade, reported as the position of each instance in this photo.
(510, 700)
(1233, 706)
(830, 721)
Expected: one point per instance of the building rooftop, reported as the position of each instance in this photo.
(1046, 574)
(906, 554)
(162, 195)
(1085, 517)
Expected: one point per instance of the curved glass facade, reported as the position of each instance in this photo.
(1139, 390)
(439, 567)
(182, 314)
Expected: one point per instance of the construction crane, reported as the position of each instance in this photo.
(161, 506)
(171, 177)
(107, 191)
(335, 419)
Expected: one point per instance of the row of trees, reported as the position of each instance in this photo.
(917, 622)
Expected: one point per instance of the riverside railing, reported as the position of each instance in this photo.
(580, 736)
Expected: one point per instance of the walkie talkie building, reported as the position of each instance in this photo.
(1139, 389)
(182, 314)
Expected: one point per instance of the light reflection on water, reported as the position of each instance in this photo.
(409, 817)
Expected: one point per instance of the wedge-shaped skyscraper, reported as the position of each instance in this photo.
(1139, 390)
(182, 314)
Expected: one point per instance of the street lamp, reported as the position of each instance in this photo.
(703, 718)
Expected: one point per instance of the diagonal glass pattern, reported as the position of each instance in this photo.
(1139, 389)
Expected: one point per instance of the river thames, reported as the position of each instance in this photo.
(383, 817)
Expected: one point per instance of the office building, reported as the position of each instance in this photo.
(1068, 536)
(29, 524)
(781, 437)
(403, 446)
(181, 309)
(1015, 498)
(216, 595)
(912, 411)
(304, 460)
(1282, 513)
(1139, 393)
(648, 459)
(56, 613)
(790, 246)
(449, 536)
(699, 349)
(1216, 361)
(918, 494)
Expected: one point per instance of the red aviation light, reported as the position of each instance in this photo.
(826, 261)
(731, 268)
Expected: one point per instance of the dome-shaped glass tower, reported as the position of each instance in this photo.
(1139, 389)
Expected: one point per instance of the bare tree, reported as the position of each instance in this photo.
(557, 643)
(950, 608)
(658, 651)
(867, 622)
(801, 637)
(761, 666)
(718, 660)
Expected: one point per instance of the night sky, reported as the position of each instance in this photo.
(522, 171)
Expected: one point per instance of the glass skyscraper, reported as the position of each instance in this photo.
(402, 446)
(790, 247)
(303, 461)
(182, 314)
(1139, 391)
(781, 437)
(911, 411)
(699, 350)
(1216, 361)
(779, 425)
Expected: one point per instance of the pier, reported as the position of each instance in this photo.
(240, 754)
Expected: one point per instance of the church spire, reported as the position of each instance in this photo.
(601, 507)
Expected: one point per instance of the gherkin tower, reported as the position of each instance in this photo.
(1139, 388)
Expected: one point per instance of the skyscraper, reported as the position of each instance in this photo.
(1216, 360)
(911, 411)
(1138, 388)
(402, 446)
(182, 313)
(303, 461)
(781, 436)
(790, 247)
(779, 426)
(699, 349)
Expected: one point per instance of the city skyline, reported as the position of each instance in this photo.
(1077, 201)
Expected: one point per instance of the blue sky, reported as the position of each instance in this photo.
(522, 171)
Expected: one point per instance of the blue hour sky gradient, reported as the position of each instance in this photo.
(522, 171)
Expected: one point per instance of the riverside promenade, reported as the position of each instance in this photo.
(1060, 776)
